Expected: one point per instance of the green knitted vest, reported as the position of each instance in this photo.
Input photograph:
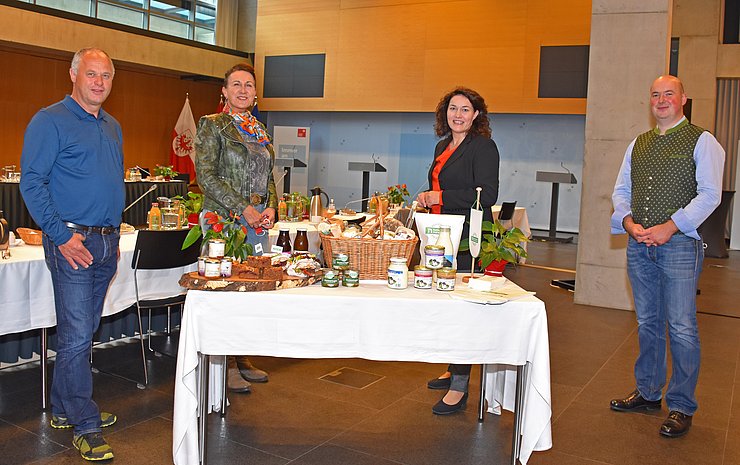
(663, 173)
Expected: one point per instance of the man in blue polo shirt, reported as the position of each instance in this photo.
(72, 184)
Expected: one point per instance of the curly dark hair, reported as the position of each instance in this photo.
(239, 67)
(481, 126)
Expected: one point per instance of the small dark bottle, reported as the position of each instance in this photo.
(301, 241)
(283, 240)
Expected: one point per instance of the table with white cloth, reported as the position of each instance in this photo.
(371, 322)
(28, 295)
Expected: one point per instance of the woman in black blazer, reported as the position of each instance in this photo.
(464, 159)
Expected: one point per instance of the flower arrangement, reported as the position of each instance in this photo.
(166, 171)
(397, 194)
(228, 229)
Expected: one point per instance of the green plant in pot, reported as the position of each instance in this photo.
(165, 171)
(192, 204)
(228, 228)
(499, 246)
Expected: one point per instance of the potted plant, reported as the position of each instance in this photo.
(499, 246)
(228, 229)
(397, 194)
(193, 204)
(165, 171)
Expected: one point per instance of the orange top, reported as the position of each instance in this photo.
(439, 162)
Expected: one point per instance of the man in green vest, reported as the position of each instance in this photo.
(669, 183)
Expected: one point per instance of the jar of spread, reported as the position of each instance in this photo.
(202, 265)
(226, 267)
(216, 248)
(434, 256)
(446, 279)
(423, 277)
(340, 261)
(213, 268)
(351, 278)
(398, 273)
(330, 279)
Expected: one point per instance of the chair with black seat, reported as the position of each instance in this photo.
(506, 214)
(159, 250)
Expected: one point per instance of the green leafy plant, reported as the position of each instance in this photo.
(228, 229)
(192, 204)
(499, 243)
(397, 194)
(165, 171)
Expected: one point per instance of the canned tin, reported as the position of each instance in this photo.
(330, 279)
(202, 265)
(446, 279)
(226, 267)
(351, 278)
(434, 256)
(213, 268)
(340, 261)
(423, 277)
(216, 248)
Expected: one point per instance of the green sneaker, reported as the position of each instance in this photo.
(106, 419)
(92, 446)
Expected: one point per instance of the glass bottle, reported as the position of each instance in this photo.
(283, 240)
(372, 204)
(180, 213)
(331, 210)
(154, 220)
(282, 209)
(444, 240)
(301, 240)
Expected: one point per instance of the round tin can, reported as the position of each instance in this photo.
(434, 256)
(202, 266)
(226, 267)
(398, 273)
(446, 279)
(351, 278)
(216, 248)
(213, 268)
(423, 277)
(330, 279)
(340, 261)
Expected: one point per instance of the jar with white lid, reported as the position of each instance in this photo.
(398, 273)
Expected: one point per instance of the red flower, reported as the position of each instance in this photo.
(403, 185)
(193, 218)
(218, 227)
(244, 230)
(211, 218)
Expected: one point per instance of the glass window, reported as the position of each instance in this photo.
(207, 36)
(177, 9)
(81, 7)
(120, 15)
(169, 26)
(205, 15)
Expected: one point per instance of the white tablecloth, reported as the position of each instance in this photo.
(28, 296)
(371, 322)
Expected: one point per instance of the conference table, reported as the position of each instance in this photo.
(28, 296)
(371, 322)
(15, 211)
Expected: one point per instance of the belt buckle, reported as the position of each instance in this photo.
(255, 199)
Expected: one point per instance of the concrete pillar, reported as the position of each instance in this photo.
(630, 42)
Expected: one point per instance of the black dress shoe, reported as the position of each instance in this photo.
(676, 425)
(634, 401)
(439, 383)
(440, 408)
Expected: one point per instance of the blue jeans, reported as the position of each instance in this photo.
(664, 281)
(78, 298)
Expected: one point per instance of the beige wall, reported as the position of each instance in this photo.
(402, 55)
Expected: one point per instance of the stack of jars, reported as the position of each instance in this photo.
(340, 271)
(214, 264)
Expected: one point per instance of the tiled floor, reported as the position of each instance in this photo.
(299, 419)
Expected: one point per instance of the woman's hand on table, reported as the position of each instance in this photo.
(429, 198)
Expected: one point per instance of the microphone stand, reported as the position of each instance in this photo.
(149, 191)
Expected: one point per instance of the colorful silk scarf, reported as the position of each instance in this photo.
(248, 125)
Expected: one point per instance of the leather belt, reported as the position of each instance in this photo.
(256, 199)
(102, 230)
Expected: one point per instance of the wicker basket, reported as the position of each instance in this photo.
(370, 257)
(30, 236)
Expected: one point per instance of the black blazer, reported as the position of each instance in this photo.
(473, 164)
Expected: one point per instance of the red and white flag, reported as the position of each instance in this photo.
(182, 154)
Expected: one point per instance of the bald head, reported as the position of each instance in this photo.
(667, 99)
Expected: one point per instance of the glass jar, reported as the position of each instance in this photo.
(226, 267)
(351, 278)
(398, 273)
(330, 279)
(301, 240)
(283, 240)
(446, 279)
(202, 265)
(213, 268)
(423, 277)
(340, 261)
(216, 248)
(434, 256)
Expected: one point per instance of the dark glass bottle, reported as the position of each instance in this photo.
(283, 240)
(301, 241)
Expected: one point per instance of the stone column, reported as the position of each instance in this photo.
(630, 42)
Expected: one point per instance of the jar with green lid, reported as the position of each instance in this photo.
(434, 256)
(446, 279)
(330, 279)
(351, 278)
(423, 277)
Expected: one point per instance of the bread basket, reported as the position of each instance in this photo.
(30, 236)
(369, 256)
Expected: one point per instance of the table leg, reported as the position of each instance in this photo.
(44, 370)
(482, 400)
(224, 374)
(203, 361)
(521, 388)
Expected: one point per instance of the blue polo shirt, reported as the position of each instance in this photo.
(72, 169)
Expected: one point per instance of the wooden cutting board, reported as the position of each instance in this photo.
(195, 281)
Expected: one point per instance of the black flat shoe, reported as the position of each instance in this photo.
(439, 383)
(634, 401)
(440, 408)
(676, 425)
